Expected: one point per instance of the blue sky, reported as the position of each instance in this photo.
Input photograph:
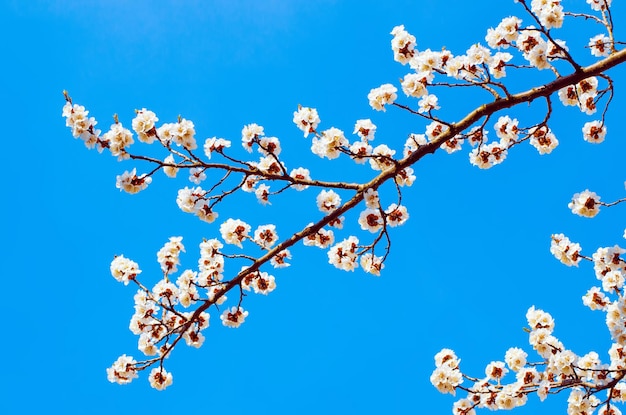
(462, 273)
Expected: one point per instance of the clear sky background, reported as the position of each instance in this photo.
(462, 273)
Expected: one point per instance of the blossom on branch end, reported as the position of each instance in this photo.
(123, 370)
(585, 204)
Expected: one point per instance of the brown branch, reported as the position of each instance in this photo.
(484, 111)
(248, 172)
(455, 128)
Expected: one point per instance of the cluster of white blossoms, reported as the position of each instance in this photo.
(160, 378)
(328, 201)
(565, 250)
(144, 124)
(306, 119)
(488, 154)
(585, 203)
(328, 143)
(124, 270)
(594, 132)
(131, 183)
(382, 158)
(234, 317)
(343, 255)
(600, 45)
(82, 126)
(543, 139)
(414, 84)
(234, 231)
(536, 47)
(157, 320)
(585, 375)
(211, 264)
(250, 135)
(259, 281)
(332, 142)
(262, 194)
(599, 5)
(446, 376)
(168, 255)
(365, 129)
(123, 370)
(361, 151)
(300, 174)
(119, 139)
(372, 264)
(610, 268)
(383, 95)
(187, 284)
(403, 45)
(562, 368)
(164, 314)
(485, 154)
(279, 260)
(197, 175)
(504, 34)
(322, 238)
(371, 220)
(583, 95)
(214, 144)
(265, 236)
(549, 12)
(194, 200)
(182, 133)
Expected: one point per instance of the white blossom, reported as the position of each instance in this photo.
(306, 119)
(123, 370)
(265, 236)
(170, 171)
(300, 174)
(372, 264)
(594, 132)
(328, 201)
(119, 138)
(262, 194)
(365, 129)
(249, 135)
(381, 96)
(585, 203)
(160, 378)
(131, 183)
(215, 144)
(371, 220)
(599, 5)
(343, 255)
(402, 44)
(328, 144)
(123, 269)
(543, 139)
(396, 215)
(322, 238)
(564, 250)
(143, 125)
(234, 317)
(234, 231)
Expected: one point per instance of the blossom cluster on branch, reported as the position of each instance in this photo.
(177, 306)
(558, 367)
